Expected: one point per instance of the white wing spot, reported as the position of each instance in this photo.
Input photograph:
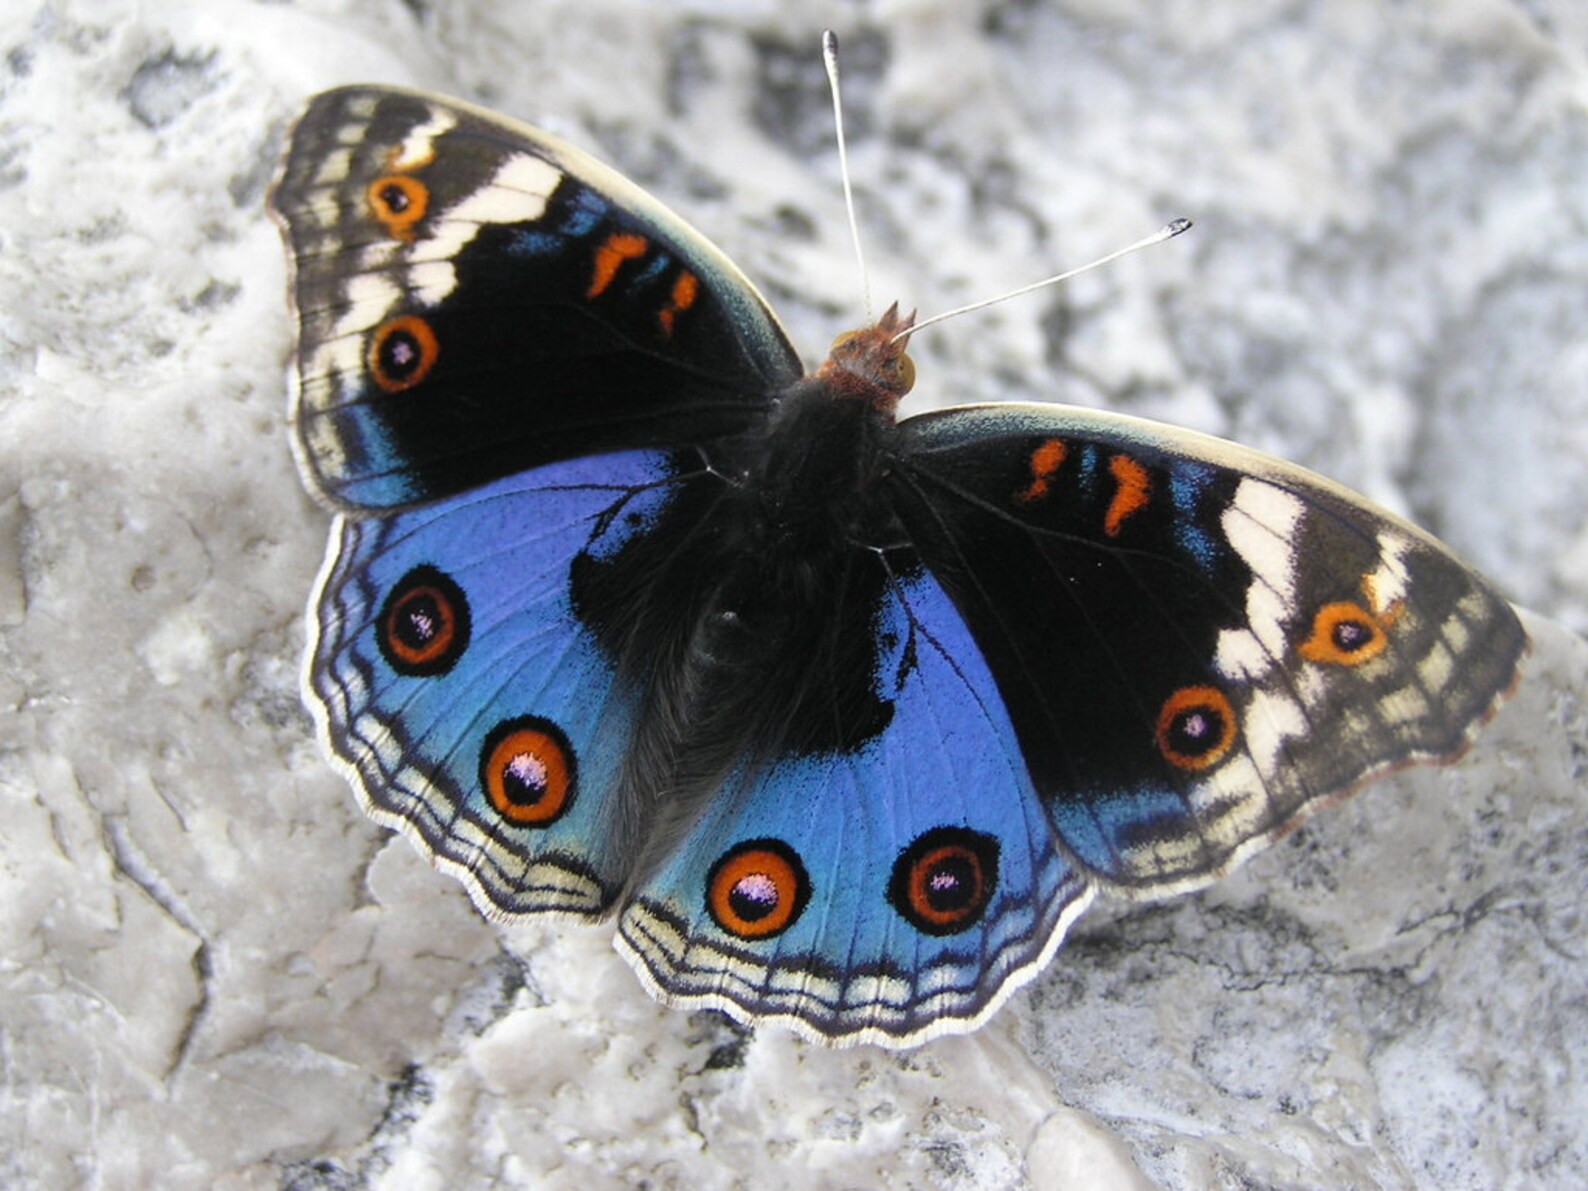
(418, 147)
(334, 167)
(1271, 719)
(517, 194)
(1437, 669)
(432, 280)
(1260, 526)
(1387, 582)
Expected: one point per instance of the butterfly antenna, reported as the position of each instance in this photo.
(1167, 232)
(830, 58)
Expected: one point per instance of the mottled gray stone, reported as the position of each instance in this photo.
(215, 973)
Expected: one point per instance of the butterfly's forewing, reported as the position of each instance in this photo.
(1198, 644)
(886, 893)
(457, 687)
(475, 297)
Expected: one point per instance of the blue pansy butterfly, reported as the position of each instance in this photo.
(845, 718)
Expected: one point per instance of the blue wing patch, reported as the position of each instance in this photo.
(453, 682)
(886, 896)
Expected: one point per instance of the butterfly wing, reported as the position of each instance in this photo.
(1198, 644)
(888, 893)
(456, 685)
(476, 297)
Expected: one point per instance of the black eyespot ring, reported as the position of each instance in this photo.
(1345, 634)
(424, 624)
(757, 889)
(943, 882)
(402, 353)
(1196, 727)
(528, 771)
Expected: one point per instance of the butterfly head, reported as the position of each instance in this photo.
(870, 364)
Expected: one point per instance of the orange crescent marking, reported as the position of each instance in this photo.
(1045, 463)
(396, 161)
(609, 258)
(685, 290)
(1386, 615)
(1131, 496)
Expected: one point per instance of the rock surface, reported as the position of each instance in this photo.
(215, 973)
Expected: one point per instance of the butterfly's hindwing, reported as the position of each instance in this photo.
(476, 297)
(887, 893)
(455, 682)
(1198, 644)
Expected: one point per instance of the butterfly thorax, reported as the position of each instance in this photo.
(780, 558)
(808, 478)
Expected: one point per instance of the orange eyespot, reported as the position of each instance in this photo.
(1345, 634)
(398, 202)
(942, 883)
(402, 353)
(1196, 728)
(423, 628)
(527, 771)
(757, 889)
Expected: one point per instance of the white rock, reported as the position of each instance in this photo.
(215, 973)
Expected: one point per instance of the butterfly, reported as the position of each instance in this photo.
(844, 718)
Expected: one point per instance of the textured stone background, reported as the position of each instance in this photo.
(214, 973)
